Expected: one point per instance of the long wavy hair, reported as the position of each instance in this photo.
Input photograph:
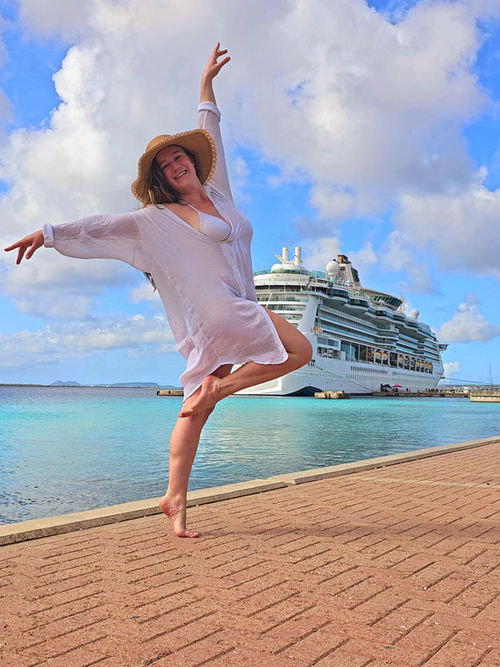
(160, 192)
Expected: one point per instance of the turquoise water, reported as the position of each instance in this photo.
(69, 449)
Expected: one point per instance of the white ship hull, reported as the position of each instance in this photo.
(305, 381)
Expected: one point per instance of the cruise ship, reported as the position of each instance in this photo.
(363, 340)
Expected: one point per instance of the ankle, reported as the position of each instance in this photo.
(222, 388)
(175, 499)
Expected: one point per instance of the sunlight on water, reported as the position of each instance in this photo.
(69, 449)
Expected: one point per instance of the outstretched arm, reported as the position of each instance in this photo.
(97, 236)
(209, 117)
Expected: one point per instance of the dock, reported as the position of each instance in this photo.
(390, 561)
(421, 394)
(339, 395)
(485, 396)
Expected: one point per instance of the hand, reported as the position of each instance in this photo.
(213, 67)
(32, 241)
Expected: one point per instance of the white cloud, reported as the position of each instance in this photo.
(364, 110)
(144, 292)
(50, 285)
(331, 202)
(468, 324)
(65, 18)
(81, 339)
(318, 252)
(363, 259)
(462, 226)
(399, 254)
(451, 367)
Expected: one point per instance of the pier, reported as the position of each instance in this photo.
(422, 394)
(170, 392)
(390, 561)
(485, 396)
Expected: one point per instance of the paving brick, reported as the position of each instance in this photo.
(399, 567)
(13, 659)
(312, 648)
(457, 653)
(491, 659)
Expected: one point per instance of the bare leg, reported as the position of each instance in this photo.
(215, 388)
(183, 446)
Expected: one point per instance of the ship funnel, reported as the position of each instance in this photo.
(297, 260)
(284, 254)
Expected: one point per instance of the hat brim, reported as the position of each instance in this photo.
(198, 142)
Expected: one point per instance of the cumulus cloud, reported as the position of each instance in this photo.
(399, 254)
(450, 367)
(363, 259)
(468, 324)
(317, 253)
(369, 110)
(64, 18)
(332, 202)
(144, 292)
(81, 339)
(462, 226)
(50, 285)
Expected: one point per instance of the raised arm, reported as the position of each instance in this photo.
(209, 117)
(97, 236)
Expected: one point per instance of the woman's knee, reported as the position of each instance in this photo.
(301, 353)
(306, 352)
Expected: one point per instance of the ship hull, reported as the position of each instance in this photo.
(345, 376)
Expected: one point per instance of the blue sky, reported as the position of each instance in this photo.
(386, 148)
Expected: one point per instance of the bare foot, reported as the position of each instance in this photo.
(176, 514)
(204, 399)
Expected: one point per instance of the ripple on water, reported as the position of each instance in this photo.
(69, 449)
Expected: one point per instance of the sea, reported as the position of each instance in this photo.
(68, 449)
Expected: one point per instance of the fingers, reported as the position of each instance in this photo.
(223, 62)
(23, 247)
(33, 249)
(13, 246)
(217, 52)
(20, 254)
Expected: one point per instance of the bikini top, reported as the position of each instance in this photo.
(213, 227)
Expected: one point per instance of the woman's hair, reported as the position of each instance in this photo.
(160, 192)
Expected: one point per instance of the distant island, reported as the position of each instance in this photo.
(72, 383)
(64, 383)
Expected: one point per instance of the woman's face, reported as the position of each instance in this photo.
(177, 167)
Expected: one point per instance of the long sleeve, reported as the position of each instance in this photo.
(99, 236)
(209, 120)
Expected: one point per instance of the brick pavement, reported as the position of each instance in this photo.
(394, 566)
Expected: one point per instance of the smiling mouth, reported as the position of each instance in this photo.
(180, 175)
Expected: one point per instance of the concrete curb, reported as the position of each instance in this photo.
(380, 462)
(66, 523)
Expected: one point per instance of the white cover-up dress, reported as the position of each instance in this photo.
(206, 286)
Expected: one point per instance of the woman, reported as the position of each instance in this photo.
(194, 244)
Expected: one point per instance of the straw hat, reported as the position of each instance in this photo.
(198, 142)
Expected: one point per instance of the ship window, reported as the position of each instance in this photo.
(328, 353)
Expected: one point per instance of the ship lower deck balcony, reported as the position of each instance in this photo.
(342, 319)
